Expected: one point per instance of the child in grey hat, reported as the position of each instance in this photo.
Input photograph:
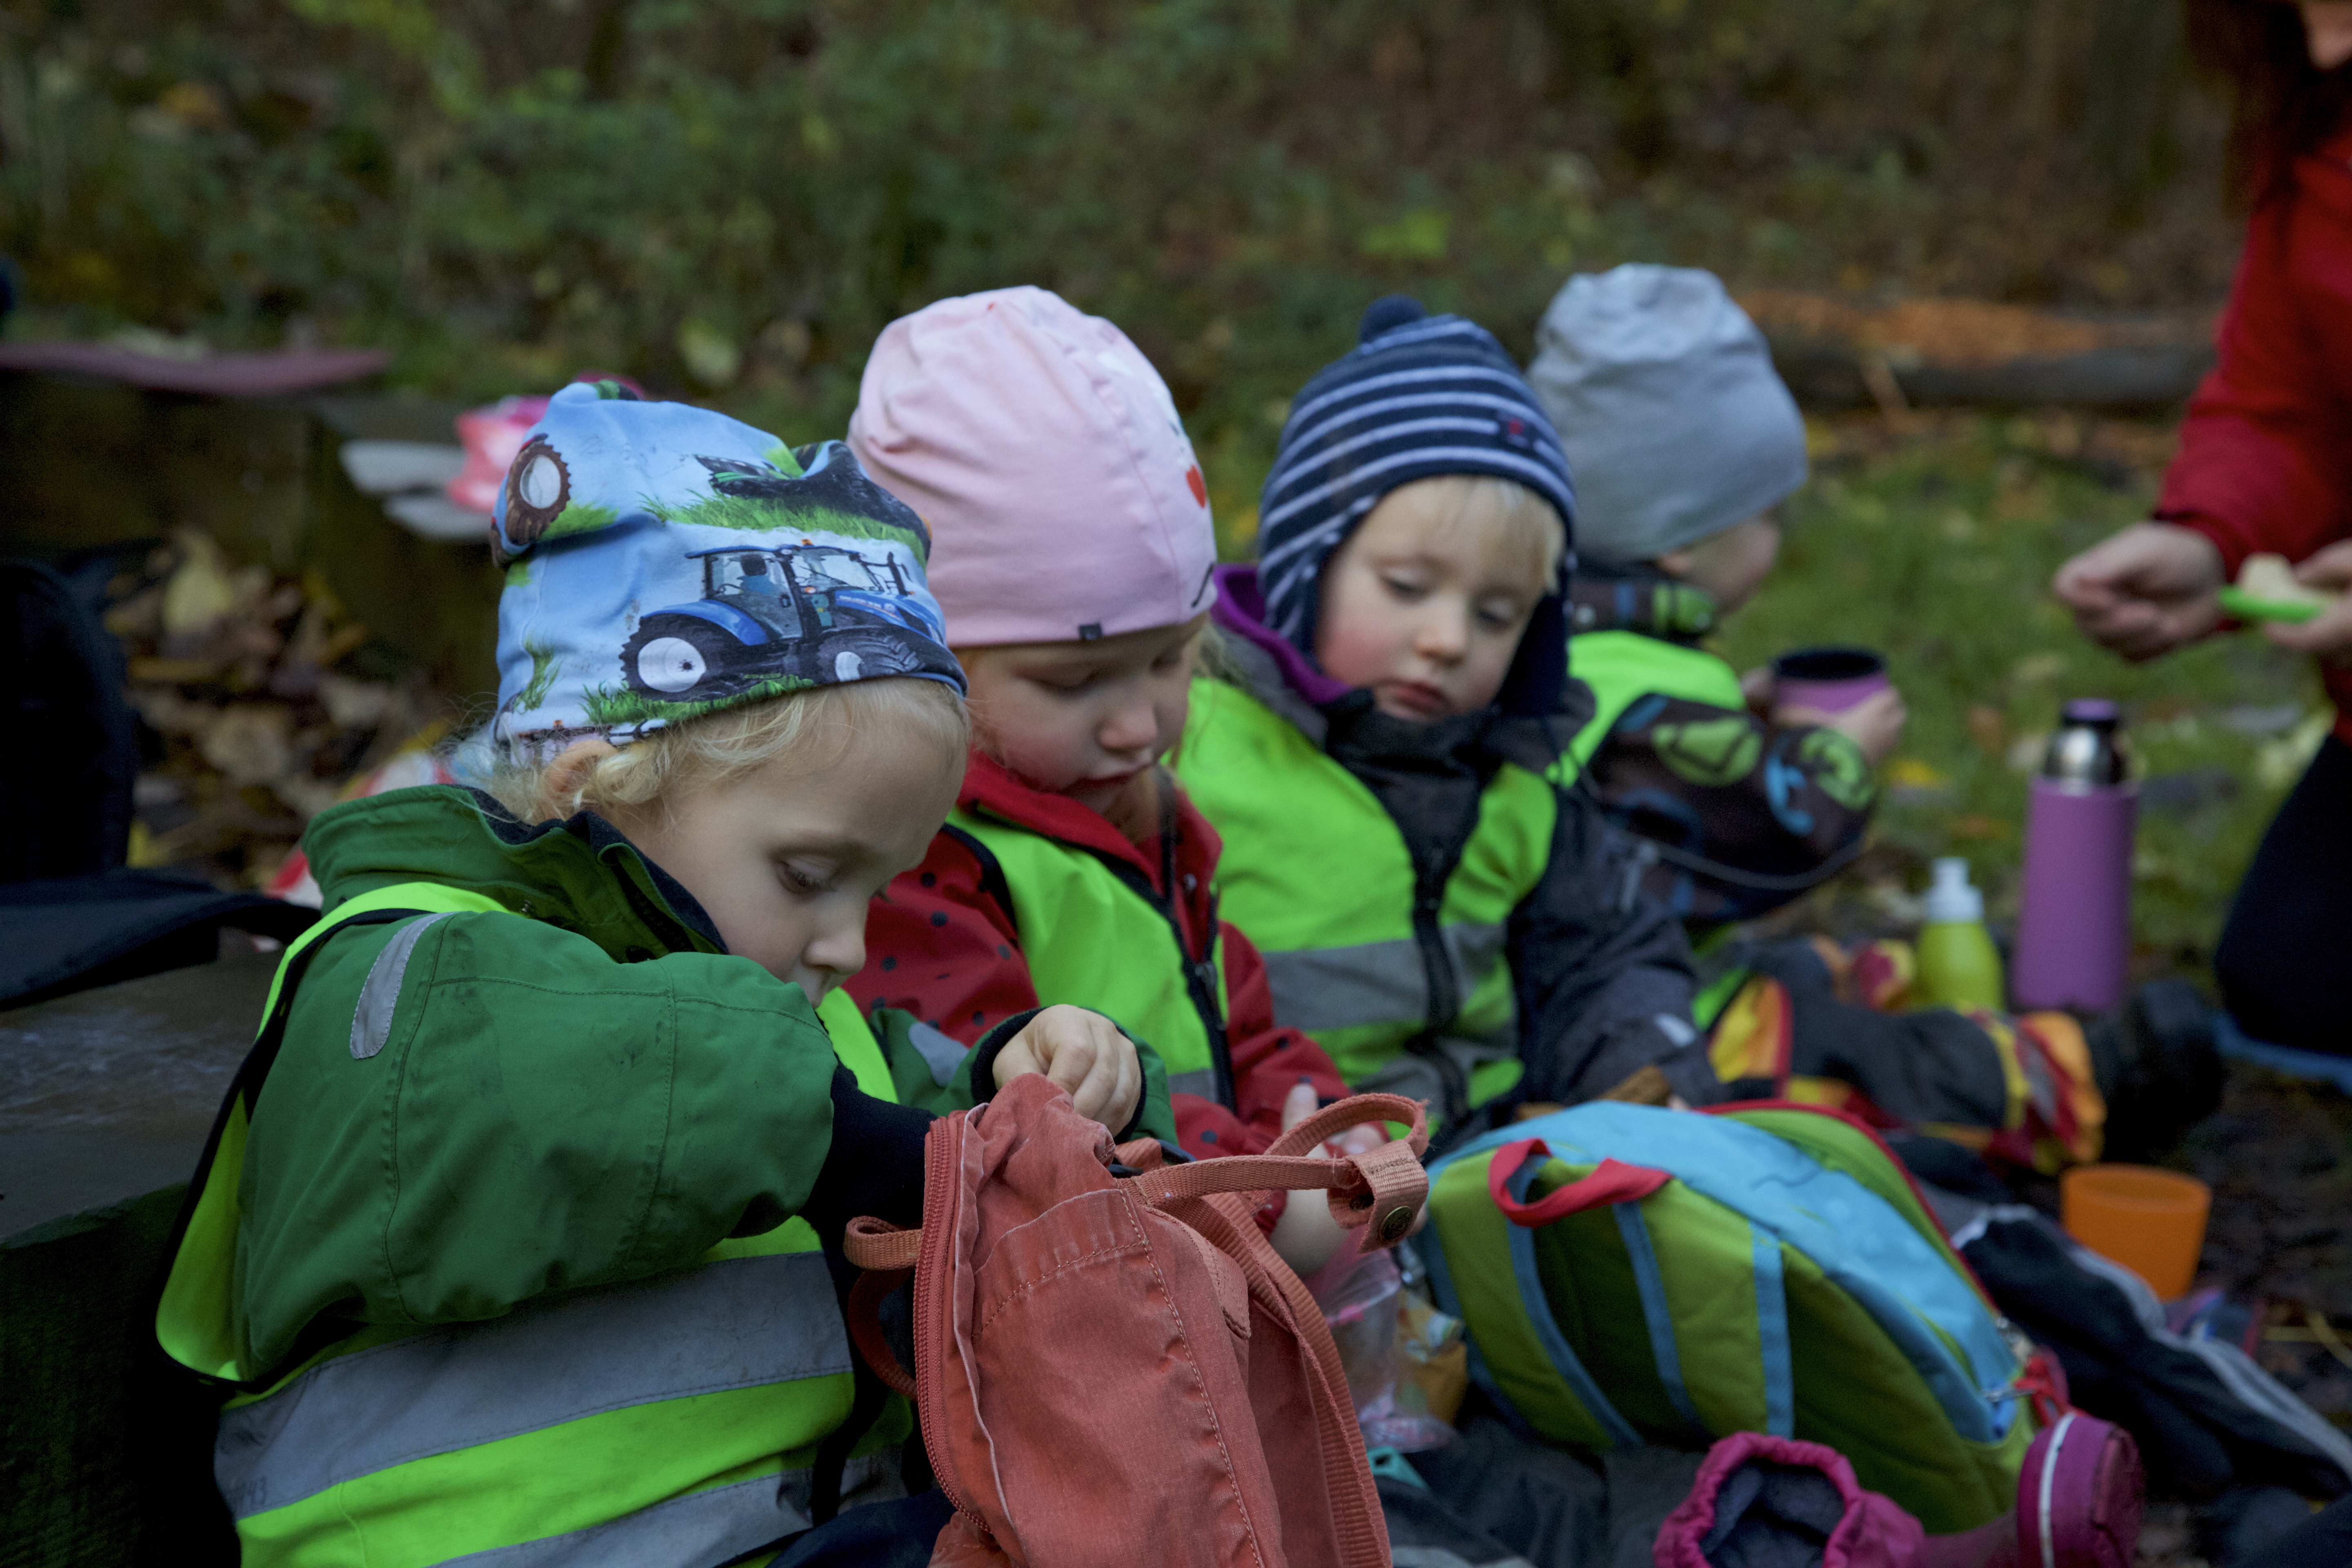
(1682, 439)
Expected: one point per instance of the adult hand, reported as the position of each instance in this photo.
(2329, 633)
(1874, 724)
(2144, 590)
(1084, 1053)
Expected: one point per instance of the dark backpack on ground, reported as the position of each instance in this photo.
(71, 914)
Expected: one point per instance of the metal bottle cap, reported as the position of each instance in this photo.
(2087, 748)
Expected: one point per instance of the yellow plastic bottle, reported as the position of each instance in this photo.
(1958, 964)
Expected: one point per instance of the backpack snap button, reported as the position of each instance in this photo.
(1394, 1224)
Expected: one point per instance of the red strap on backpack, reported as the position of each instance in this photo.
(1614, 1182)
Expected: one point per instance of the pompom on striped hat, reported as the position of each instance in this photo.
(1420, 396)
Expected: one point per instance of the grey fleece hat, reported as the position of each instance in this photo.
(1675, 424)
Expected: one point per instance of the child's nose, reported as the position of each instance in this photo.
(1131, 727)
(1442, 636)
(839, 947)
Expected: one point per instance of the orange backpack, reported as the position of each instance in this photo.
(1117, 1367)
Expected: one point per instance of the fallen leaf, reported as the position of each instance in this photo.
(1989, 729)
(1910, 772)
(2036, 668)
(202, 591)
(250, 743)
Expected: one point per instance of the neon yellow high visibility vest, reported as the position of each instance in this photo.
(661, 1420)
(1093, 935)
(1316, 873)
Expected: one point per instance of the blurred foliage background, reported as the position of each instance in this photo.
(729, 198)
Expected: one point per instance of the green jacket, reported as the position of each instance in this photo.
(1739, 815)
(501, 1250)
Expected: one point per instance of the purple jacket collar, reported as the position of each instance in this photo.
(1241, 610)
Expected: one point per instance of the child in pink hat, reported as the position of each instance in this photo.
(1073, 554)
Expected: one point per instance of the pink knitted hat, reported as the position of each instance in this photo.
(1042, 450)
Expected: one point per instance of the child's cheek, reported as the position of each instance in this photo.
(1353, 645)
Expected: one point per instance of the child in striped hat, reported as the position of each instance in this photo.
(1440, 919)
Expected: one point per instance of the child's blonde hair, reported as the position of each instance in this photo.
(818, 724)
(1523, 532)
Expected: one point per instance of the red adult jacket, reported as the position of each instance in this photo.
(941, 946)
(2265, 459)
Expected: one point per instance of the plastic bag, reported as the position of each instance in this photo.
(1386, 1337)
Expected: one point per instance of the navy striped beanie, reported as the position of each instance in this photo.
(1420, 396)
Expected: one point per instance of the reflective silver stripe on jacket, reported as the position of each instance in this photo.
(371, 1019)
(1377, 982)
(738, 1323)
(1201, 1081)
(710, 1526)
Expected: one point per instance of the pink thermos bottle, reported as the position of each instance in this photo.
(2073, 924)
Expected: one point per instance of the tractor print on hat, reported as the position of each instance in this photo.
(810, 612)
(664, 561)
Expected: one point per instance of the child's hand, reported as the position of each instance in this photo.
(1084, 1053)
(1307, 1236)
(1875, 724)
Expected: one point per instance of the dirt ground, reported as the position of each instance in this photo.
(2276, 1156)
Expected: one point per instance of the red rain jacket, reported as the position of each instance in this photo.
(940, 946)
(2266, 460)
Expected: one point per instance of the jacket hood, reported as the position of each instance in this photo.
(579, 874)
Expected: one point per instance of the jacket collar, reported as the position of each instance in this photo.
(990, 786)
(1277, 675)
(579, 874)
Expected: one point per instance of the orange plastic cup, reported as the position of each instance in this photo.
(2150, 1221)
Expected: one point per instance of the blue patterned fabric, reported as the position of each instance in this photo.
(1421, 396)
(664, 561)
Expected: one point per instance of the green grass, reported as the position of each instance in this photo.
(621, 709)
(757, 515)
(1938, 548)
(545, 664)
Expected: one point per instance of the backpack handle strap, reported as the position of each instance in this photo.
(886, 1256)
(1380, 1190)
(1612, 1182)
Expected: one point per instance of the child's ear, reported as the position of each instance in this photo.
(561, 782)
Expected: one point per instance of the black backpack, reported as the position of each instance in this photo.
(71, 914)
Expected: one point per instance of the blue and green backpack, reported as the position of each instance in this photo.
(1633, 1275)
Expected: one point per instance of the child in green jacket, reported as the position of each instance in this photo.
(513, 1236)
(1682, 440)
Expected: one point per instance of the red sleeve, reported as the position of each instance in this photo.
(938, 945)
(2266, 460)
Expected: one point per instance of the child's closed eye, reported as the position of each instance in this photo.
(803, 880)
(1499, 615)
(1411, 590)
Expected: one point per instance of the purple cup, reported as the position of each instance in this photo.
(1829, 679)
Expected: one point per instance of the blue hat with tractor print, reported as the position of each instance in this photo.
(664, 561)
